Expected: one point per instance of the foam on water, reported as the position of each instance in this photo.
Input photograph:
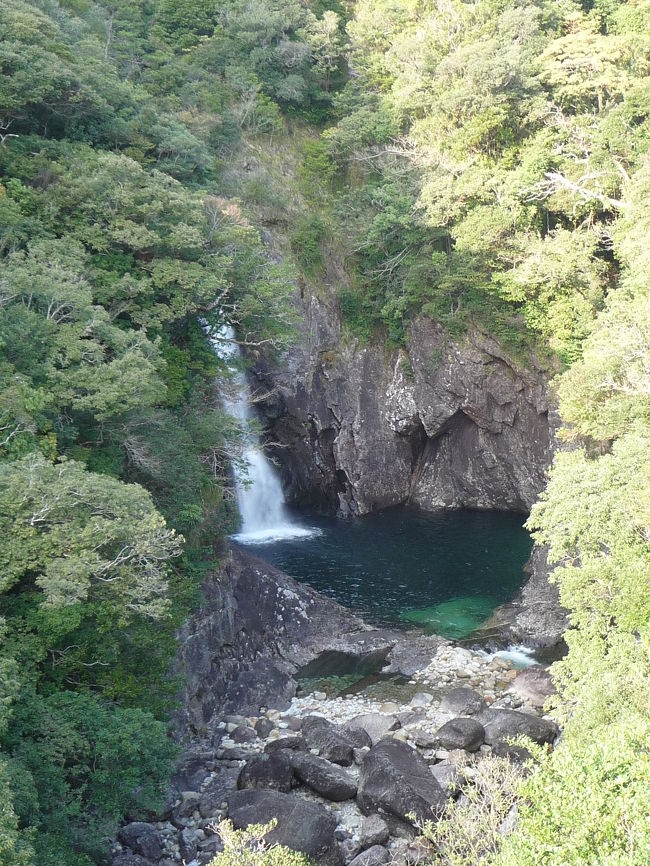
(273, 534)
(520, 656)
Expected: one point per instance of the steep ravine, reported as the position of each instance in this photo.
(342, 775)
(442, 424)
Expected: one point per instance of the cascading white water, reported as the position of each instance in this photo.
(259, 493)
(521, 656)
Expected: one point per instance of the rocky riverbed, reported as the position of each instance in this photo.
(342, 775)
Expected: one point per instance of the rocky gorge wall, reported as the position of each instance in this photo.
(439, 424)
(255, 628)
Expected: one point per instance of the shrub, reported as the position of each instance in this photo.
(247, 848)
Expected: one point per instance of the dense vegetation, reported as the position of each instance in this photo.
(119, 256)
(485, 163)
(498, 176)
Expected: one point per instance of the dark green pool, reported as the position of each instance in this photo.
(444, 571)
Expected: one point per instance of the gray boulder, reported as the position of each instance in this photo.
(188, 844)
(243, 734)
(291, 741)
(448, 778)
(217, 791)
(142, 839)
(357, 737)
(408, 657)
(467, 734)
(263, 727)
(267, 771)
(506, 724)
(374, 831)
(375, 856)
(301, 826)
(462, 701)
(515, 754)
(534, 684)
(376, 725)
(329, 739)
(329, 780)
(395, 781)
(189, 803)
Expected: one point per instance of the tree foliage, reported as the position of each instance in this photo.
(119, 257)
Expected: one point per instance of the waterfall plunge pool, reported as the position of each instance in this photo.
(442, 572)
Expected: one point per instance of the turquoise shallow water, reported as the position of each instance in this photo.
(443, 572)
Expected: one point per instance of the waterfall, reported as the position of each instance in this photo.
(259, 492)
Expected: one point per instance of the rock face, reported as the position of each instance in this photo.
(301, 826)
(536, 616)
(255, 629)
(396, 782)
(442, 425)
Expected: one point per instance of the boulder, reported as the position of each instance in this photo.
(534, 684)
(424, 738)
(374, 831)
(421, 699)
(408, 657)
(515, 754)
(467, 734)
(243, 734)
(395, 781)
(217, 791)
(264, 727)
(357, 737)
(375, 856)
(291, 741)
(329, 780)
(448, 778)
(189, 803)
(188, 844)
(142, 839)
(376, 725)
(208, 849)
(329, 739)
(301, 826)
(267, 771)
(506, 724)
(193, 769)
(462, 701)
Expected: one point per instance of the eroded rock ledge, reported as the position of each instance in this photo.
(256, 627)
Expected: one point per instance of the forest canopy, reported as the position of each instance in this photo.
(483, 163)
